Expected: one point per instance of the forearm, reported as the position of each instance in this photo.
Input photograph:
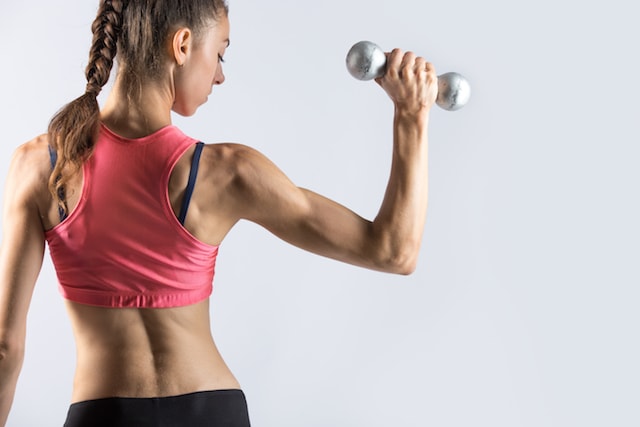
(10, 365)
(399, 225)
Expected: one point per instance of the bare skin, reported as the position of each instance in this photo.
(162, 352)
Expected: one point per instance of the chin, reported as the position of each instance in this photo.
(185, 112)
(188, 110)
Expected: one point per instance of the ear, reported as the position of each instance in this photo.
(181, 45)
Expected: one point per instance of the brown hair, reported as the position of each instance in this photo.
(135, 30)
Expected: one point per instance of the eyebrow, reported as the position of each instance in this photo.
(228, 42)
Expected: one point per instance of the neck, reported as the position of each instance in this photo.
(135, 118)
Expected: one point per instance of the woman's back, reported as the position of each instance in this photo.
(144, 352)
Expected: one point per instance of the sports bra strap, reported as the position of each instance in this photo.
(193, 174)
(53, 157)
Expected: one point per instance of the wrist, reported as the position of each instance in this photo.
(418, 116)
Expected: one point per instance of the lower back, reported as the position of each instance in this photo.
(145, 352)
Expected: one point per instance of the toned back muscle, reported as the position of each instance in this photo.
(150, 352)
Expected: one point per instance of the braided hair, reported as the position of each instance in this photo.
(136, 31)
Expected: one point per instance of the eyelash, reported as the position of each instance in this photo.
(221, 59)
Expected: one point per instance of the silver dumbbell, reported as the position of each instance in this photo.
(367, 61)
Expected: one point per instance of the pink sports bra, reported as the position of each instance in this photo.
(122, 245)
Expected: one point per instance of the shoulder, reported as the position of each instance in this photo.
(249, 170)
(31, 159)
(232, 153)
(30, 168)
(238, 161)
(253, 183)
(32, 150)
(243, 177)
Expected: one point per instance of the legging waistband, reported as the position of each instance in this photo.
(214, 408)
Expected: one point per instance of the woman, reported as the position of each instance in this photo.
(133, 211)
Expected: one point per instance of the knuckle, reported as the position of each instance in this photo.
(410, 56)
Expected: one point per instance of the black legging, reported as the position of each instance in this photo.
(218, 408)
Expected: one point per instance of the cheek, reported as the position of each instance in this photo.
(204, 80)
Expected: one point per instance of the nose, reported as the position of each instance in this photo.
(219, 78)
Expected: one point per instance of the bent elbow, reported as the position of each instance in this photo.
(395, 253)
(408, 267)
(405, 265)
(402, 261)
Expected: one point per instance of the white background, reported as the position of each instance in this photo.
(523, 310)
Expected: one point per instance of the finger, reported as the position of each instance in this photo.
(408, 60)
(394, 61)
(429, 67)
(431, 72)
(420, 66)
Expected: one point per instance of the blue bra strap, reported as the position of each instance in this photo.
(53, 157)
(192, 182)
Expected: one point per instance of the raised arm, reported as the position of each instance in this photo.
(20, 262)
(391, 241)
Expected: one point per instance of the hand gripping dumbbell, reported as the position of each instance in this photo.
(366, 61)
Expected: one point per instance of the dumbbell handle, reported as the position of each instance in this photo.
(367, 61)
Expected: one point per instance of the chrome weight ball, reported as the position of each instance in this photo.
(367, 61)
(453, 91)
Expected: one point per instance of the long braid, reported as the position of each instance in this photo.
(72, 130)
(106, 28)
